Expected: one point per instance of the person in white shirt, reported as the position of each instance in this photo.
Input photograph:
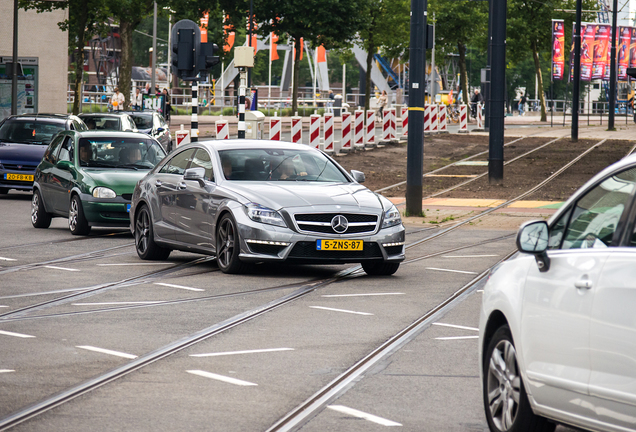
(137, 99)
(117, 100)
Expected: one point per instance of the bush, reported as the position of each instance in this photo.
(229, 111)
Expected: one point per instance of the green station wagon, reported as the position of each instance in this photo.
(89, 177)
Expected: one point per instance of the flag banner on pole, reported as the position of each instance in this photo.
(587, 51)
(601, 46)
(623, 51)
(608, 68)
(321, 54)
(632, 49)
(302, 48)
(204, 27)
(572, 51)
(273, 39)
(229, 37)
(558, 49)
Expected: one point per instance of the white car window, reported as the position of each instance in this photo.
(597, 213)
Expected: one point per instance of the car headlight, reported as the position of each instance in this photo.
(391, 217)
(265, 215)
(104, 192)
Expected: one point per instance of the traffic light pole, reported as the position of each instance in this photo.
(194, 122)
(241, 107)
(497, 89)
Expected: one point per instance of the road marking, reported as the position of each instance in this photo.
(456, 326)
(457, 337)
(107, 351)
(6, 370)
(118, 303)
(6, 259)
(221, 378)
(469, 256)
(20, 335)
(61, 268)
(178, 286)
(480, 291)
(135, 264)
(340, 310)
(241, 352)
(452, 271)
(361, 295)
(3, 306)
(42, 293)
(363, 415)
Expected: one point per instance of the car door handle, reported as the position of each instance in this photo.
(583, 283)
(158, 183)
(182, 185)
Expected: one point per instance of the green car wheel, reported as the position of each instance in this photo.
(77, 222)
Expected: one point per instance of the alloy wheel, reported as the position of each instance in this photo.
(73, 213)
(35, 206)
(226, 243)
(504, 385)
(142, 231)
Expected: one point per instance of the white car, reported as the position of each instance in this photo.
(558, 320)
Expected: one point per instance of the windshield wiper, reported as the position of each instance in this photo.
(131, 166)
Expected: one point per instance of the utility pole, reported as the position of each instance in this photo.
(612, 95)
(14, 66)
(154, 50)
(497, 91)
(576, 78)
(415, 149)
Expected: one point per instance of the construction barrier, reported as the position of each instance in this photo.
(434, 122)
(314, 131)
(274, 128)
(222, 129)
(182, 136)
(480, 117)
(371, 128)
(427, 119)
(463, 118)
(441, 118)
(405, 122)
(388, 133)
(358, 128)
(328, 133)
(345, 144)
(297, 129)
(393, 124)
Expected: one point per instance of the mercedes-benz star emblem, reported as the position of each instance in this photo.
(339, 224)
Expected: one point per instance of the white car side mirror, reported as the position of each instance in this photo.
(533, 238)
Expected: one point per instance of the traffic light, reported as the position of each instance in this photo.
(206, 58)
(186, 43)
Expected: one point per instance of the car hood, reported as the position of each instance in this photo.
(300, 194)
(30, 154)
(121, 181)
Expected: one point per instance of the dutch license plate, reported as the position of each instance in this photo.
(339, 245)
(19, 177)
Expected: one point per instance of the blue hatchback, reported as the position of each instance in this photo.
(23, 140)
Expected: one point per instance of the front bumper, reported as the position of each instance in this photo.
(23, 185)
(112, 212)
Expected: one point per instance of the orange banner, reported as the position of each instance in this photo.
(301, 49)
(321, 53)
(229, 35)
(274, 47)
(204, 27)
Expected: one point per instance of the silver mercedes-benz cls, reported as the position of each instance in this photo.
(249, 201)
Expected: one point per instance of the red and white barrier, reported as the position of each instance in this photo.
(346, 142)
(222, 129)
(393, 124)
(274, 128)
(427, 119)
(463, 118)
(370, 127)
(358, 138)
(314, 131)
(441, 117)
(480, 117)
(182, 136)
(434, 122)
(297, 129)
(328, 133)
(388, 133)
(405, 122)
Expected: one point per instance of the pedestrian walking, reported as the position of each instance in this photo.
(117, 100)
(166, 98)
(522, 105)
(382, 101)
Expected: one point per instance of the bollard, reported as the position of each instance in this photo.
(274, 128)
(345, 143)
(222, 129)
(314, 131)
(358, 139)
(463, 118)
(434, 122)
(405, 122)
(370, 134)
(427, 119)
(297, 129)
(441, 118)
(328, 133)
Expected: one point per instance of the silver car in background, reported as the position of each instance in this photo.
(251, 201)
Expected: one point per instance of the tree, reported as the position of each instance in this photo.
(86, 18)
(330, 23)
(386, 28)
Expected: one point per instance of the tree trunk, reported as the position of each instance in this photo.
(463, 74)
(297, 52)
(367, 88)
(126, 29)
(82, 18)
(537, 67)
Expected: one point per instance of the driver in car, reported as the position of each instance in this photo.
(85, 153)
(288, 171)
(130, 155)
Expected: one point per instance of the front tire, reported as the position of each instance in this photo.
(228, 247)
(145, 244)
(380, 268)
(77, 222)
(505, 398)
(39, 217)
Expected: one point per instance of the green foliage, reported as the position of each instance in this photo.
(229, 111)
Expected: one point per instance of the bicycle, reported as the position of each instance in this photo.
(453, 114)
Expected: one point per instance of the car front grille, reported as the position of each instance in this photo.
(321, 223)
(16, 167)
(265, 249)
(307, 249)
(115, 215)
(393, 250)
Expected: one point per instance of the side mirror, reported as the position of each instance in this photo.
(195, 174)
(533, 238)
(65, 165)
(159, 130)
(357, 176)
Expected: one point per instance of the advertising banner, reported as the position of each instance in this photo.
(587, 51)
(632, 50)
(624, 40)
(558, 49)
(601, 48)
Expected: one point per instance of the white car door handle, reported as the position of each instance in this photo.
(583, 283)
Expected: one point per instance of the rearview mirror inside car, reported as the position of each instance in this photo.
(533, 238)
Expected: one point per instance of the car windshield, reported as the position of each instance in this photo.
(279, 165)
(30, 131)
(102, 123)
(129, 153)
(143, 121)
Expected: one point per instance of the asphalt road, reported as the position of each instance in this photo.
(249, 376)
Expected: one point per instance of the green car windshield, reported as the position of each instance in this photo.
(130, 153)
